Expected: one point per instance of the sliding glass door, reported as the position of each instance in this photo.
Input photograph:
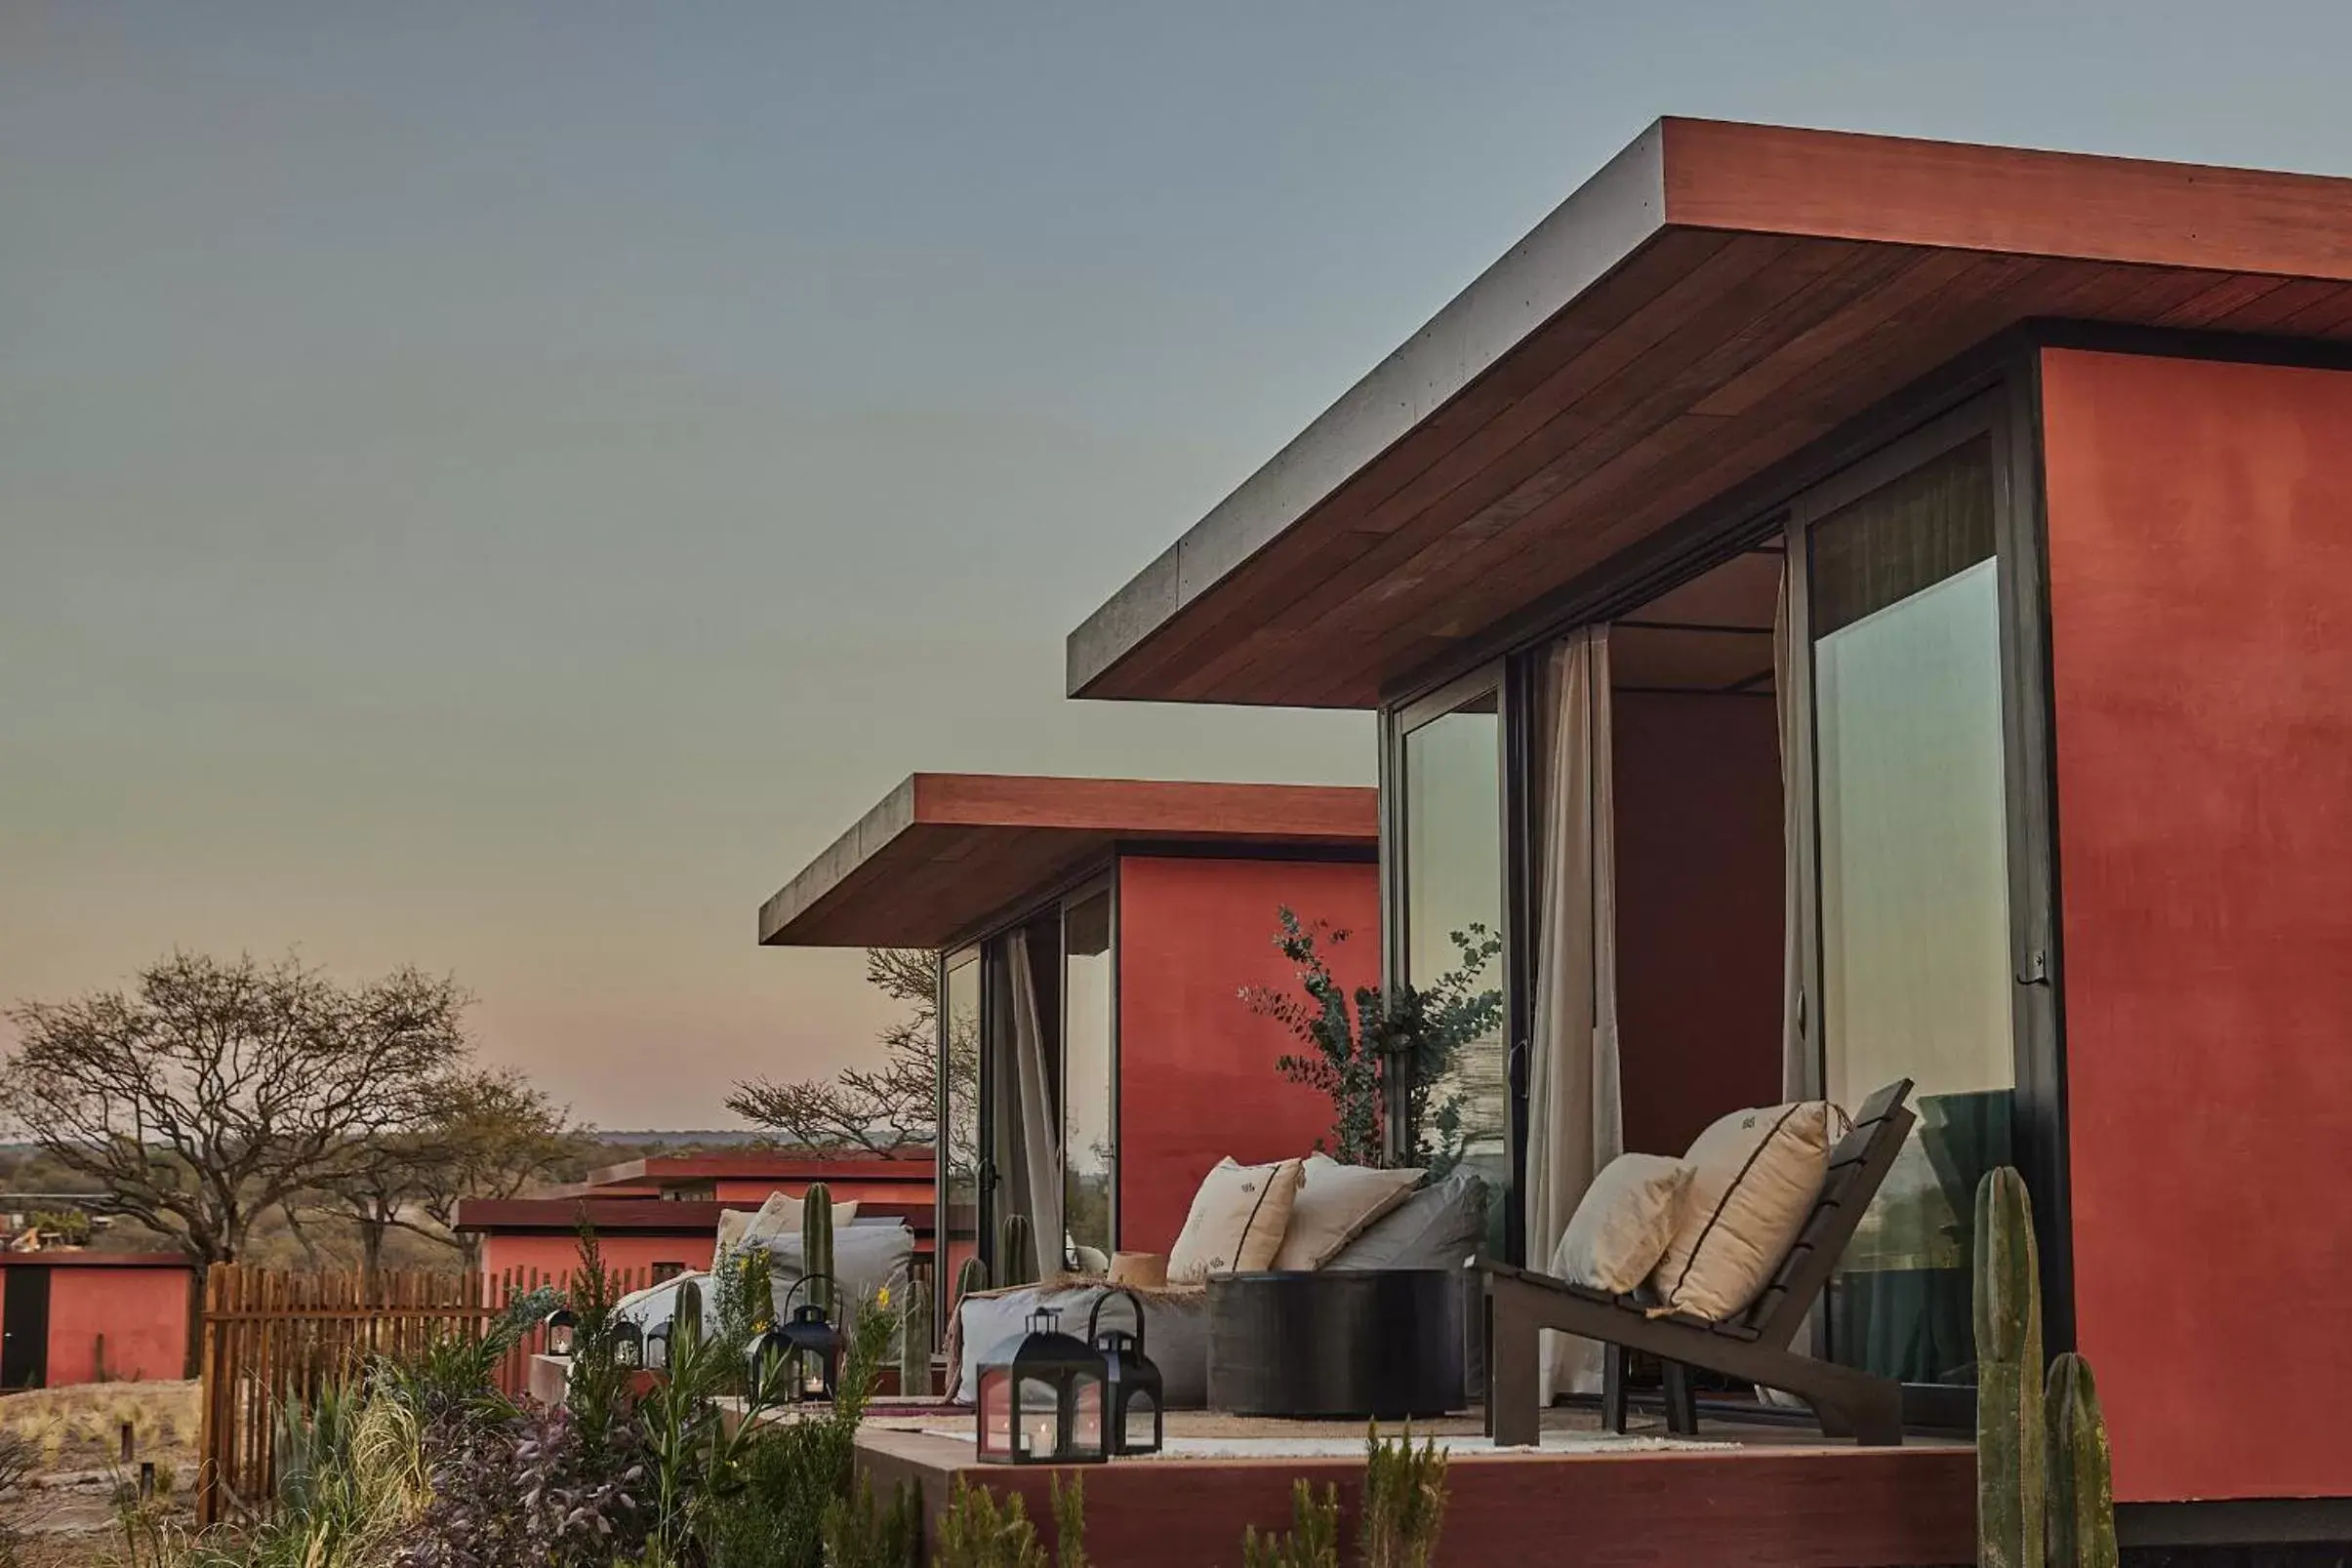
(1449, 777)
(961, 1220)
(1089, 1121)
(1911, 836)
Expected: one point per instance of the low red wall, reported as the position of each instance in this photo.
(1698, 911)
(1195, 1068)
(2199, 521)
(556, 1256)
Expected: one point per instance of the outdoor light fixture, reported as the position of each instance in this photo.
(562, 1327)
(657, 1347)
(1044, 1406)
(813, 1342)
(1132, 1394)
(629, 1343)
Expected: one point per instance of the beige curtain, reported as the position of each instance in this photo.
(1575, 1115)
(1036, 1167)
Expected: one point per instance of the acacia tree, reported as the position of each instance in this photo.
(211, 1092)
(480, 1134)
(889, 1110)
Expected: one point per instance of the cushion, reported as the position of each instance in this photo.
(1622, 1227)
(1754, 1177)
(1237, 1221)
(1439, 1226)
(1175, 1334)
(1334, 1204)
(781, 1214)
(868, 1260)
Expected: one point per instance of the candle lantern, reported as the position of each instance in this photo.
(629, 1343)
(812, 1341)
(562, 1326)
(1045, 1405)
(1132, 1396)
(657, 1347)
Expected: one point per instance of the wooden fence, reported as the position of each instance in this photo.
(275, 1340)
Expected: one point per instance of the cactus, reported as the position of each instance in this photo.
(2082, 1489)
(2009, 1473)
(1016, 1251)
(686, 1319)
(970, 1280)
(816, 1247)
(914, 1341)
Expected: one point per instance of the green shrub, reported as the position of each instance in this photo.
(976, 1531)
(1403, 1502)
(1313, 1541)
(860, 1534)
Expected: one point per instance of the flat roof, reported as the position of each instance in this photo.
(1712, 301)
(640, 1216)
(913, 1163)
(945, 853)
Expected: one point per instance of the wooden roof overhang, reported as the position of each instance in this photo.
(944, 853)
(1713, 301)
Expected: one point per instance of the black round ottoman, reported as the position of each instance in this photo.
(1362, 1343)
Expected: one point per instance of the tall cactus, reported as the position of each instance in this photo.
(817, 1248)
(970, 1280)
(914, 1341)
(1017, 1251)
(2009, 1473)
(2082, 1486)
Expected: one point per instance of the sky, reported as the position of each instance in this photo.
(500, 486)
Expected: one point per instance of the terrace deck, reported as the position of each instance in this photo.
(1744, 1495)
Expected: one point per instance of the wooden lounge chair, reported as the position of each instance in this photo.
(1752, 1345)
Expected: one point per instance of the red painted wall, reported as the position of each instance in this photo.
(2201, 607)
(1698, 911)
(142, 1315)
(556, 1255)
(1196, 1074)
(751, 1194)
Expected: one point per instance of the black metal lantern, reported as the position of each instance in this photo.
(1045, 1405)
(562, 1326)
(629, 1343)
(812, 1342)
(1132, 1395)
(657, 1347)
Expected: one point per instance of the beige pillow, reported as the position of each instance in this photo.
(780, 1216)
(1623, 1227)
(1754, 1177)
(1238, 1219)
(1334, 1204)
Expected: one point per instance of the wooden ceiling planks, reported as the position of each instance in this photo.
(943, 854)
(1793, 280)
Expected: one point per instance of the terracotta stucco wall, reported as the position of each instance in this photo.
(1698, 911)
(1196, 1074)
(140, 1314)
(2200, 519)
(555, 1255)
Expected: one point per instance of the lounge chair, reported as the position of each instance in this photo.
(1752, 1345)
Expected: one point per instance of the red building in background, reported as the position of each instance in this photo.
(659, 1215)
(72, 1316)
(1095, 934)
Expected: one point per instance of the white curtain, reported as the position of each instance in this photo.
(1035, 1166)
(1575, 1113)
(1795, 906)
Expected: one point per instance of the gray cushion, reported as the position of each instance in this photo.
(1439, 1226)
(1175, 1334)
(866, 1258)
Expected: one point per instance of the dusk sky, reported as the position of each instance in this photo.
(500, 486)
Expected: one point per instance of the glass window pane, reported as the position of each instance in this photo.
(1088, 1130)
(959, 1125)
(1915, 931)
(1453, 880)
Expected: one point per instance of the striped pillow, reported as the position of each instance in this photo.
(1753, 1178)
(1237, 1221)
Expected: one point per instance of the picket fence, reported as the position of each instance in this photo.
(275, 1340)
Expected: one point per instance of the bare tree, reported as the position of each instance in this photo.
(888, 1110)
(211, 1092)
(481, 1134)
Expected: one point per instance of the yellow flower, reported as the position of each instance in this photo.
(884, 1297)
